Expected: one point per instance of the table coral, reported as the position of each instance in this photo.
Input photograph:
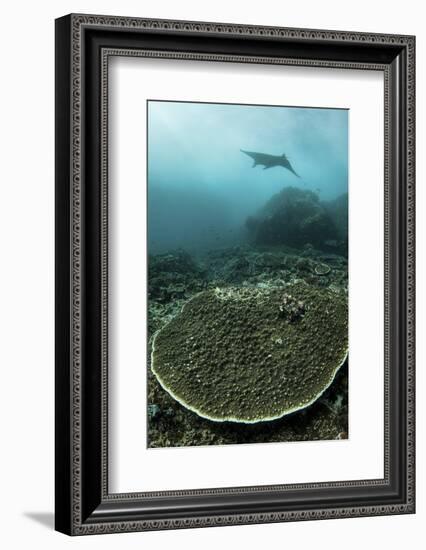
(231, 354)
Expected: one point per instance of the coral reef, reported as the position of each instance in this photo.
(170, 275)
(170, 423)
(176, 426)
(322, 269)
(291, 308)
(256, 266)
(252, 354)
(292, 217)
(338, 211)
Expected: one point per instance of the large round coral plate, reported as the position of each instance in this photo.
(250, 354)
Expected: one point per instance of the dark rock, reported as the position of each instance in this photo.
(292, 217)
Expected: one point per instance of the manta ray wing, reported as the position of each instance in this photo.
(258, 158)
(269, 161)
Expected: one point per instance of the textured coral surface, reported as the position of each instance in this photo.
(175, 278)
(252, 354)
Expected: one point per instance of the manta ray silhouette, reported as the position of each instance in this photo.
(269, 161)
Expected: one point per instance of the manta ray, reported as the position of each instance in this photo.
(269, 161)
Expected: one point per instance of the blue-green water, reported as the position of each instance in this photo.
(202, 188)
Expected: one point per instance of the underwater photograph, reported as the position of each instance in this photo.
(247, 274)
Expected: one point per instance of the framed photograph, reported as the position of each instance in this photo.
(234, 274)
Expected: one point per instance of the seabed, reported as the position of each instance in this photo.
(177, 276)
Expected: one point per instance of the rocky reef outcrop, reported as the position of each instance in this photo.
(295, 217)
(338, 210)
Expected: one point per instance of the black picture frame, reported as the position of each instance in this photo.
(83, 45)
